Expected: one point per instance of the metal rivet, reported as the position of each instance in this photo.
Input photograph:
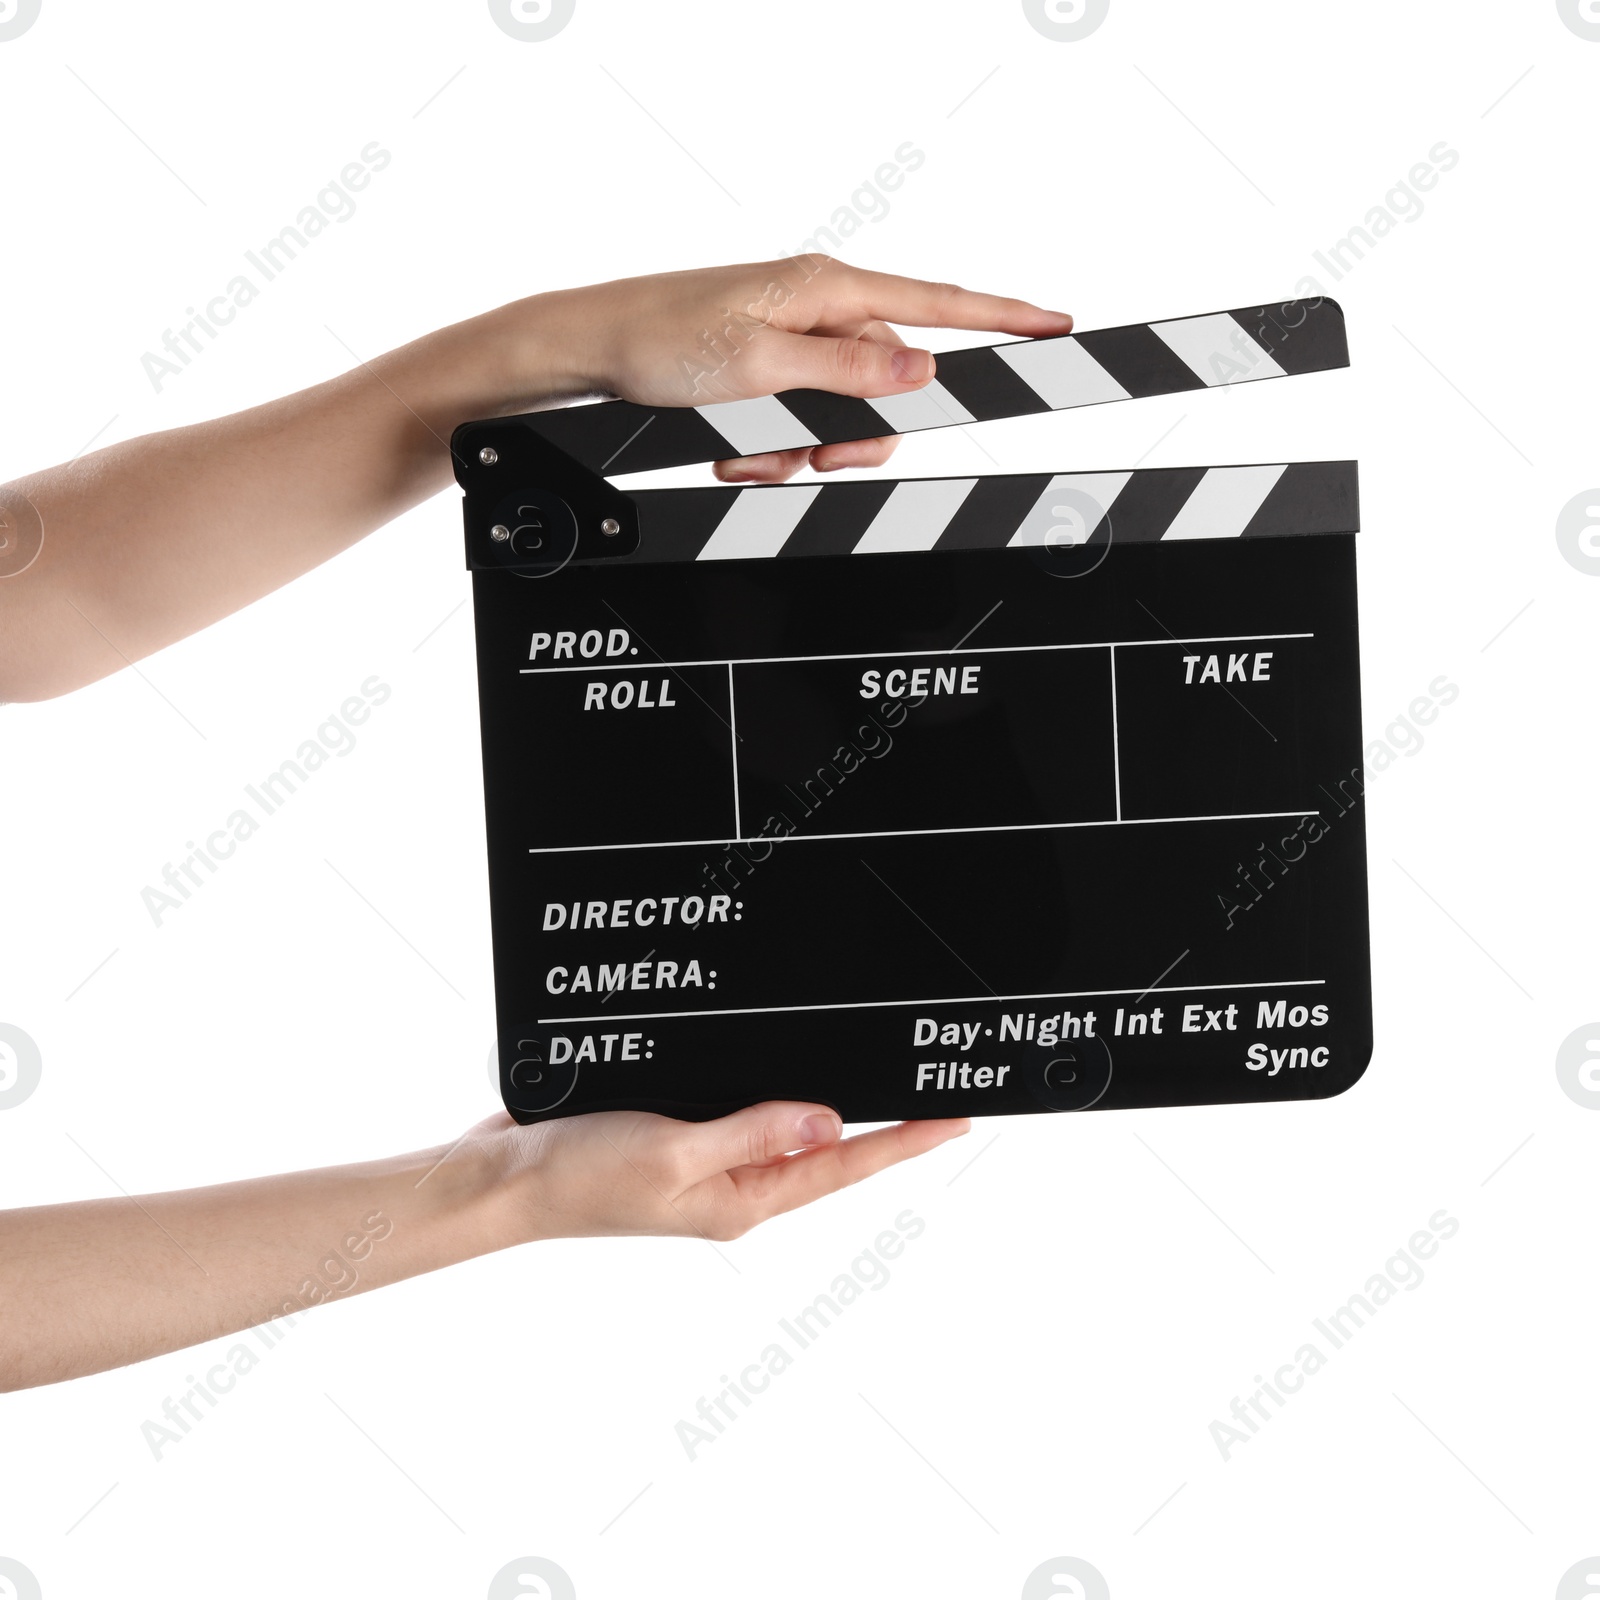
(499, 533)
(488, 455)
(611, 527)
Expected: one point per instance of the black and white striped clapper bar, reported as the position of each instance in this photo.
(928, 796)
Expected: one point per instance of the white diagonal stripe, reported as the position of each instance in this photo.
(1061, 372)
(915, 515)
(758, 523)
(932, 406)
(755, 426)
(1223, 502)
(1217, 349)
(1072, 506)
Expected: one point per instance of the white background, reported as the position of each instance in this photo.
(1040, 1375)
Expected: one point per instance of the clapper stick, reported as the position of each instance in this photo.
(982, 794)
(567, 451)
(983, 385)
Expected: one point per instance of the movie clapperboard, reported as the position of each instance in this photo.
(929, 796)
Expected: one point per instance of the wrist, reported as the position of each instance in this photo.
(540, 351)
(457, 1195)
(502, 1188)
(493, 365)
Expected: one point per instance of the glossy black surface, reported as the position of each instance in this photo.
(1015, 852)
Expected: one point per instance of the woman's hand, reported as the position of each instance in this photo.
(630, 1172)
(733, 333)
(118, 552)
(96, 1283)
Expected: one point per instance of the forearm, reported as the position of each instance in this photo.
(100, 1283)
(148, 541)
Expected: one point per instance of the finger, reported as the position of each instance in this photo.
(920, 304)
(853, 453)
(859, 452)
(875, 329)
(814, 1173)
(864, 368)
(775, 467)
(780, 466)
(760, 1133)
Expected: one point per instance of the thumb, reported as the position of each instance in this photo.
(864, 367)
(758, 1135)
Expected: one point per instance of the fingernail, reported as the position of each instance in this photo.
(821, 1127)
(911, 366)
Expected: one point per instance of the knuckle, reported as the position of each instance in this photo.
(760, 368)
(945, 293)
(765, 1142)
(812, 261)
(813, 276)
(857, 361)
(726, 1226)
(665, 1164)
(665, 1177)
